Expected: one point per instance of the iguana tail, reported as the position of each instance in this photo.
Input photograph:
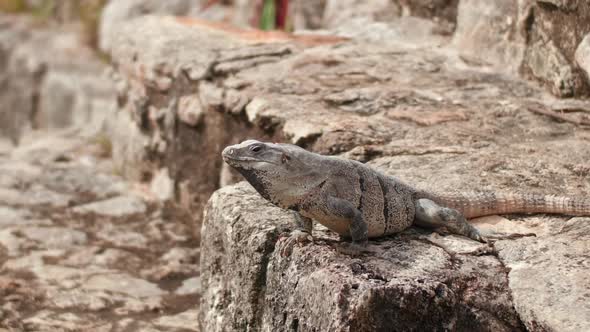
(477, 204)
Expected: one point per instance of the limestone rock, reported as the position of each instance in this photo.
(307, 14)
(12, 216)
(402, 280)
(13, 244)
(18, 79)
(83, 180)
(15, 173)
(93, 301)
(114, 207)
(69, 268)
(37, 88)
(59, 100)
(583, 55)
(549, 277)
(48, 320)
(523, 37)
(190, 110)
(555, 30)
(337, 12)
(122, 239)
(491, 26)
(189, 286)
(412, 32)
(38, 195)
(120, 283)
(162, 186)
(83, 101)
(55, 237)
(117, 12)
(129, 147)
(547, 62)
(184, 320)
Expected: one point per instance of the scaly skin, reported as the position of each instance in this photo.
(359, 202)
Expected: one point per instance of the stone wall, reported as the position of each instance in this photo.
(537, 38)
(50, 79)
(412, 108)
(16, 82)
(116, 12)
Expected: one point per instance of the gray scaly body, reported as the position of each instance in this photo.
(359, 202)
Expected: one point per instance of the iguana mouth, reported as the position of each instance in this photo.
(246, 159)
(241, 158)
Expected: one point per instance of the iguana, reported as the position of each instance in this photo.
(358, 202)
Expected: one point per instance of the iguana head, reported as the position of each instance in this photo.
(281, 173)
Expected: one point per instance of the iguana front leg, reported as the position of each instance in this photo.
(303, 229)
(300, 235)
(344, 209)
(304, 224)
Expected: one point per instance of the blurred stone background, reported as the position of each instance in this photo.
(113, 114)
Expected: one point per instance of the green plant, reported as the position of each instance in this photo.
(89, 12)
(44, 11)
(268, 15)
(13, 6)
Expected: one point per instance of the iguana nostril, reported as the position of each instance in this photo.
(227, 151)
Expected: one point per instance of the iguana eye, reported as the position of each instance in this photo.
(255, 148)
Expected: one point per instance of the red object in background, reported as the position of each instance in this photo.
(255, 18)
(282, 11)
(282, 7)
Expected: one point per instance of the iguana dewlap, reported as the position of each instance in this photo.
(359, 202)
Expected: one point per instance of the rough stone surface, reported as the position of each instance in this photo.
(119, 283)
(17, 80)
(537, 38)
(332, 291)
(114, 207)
(554, 30)
(34, 197)
(162, 185)
(412, 32)
(50, 79)
(493, 26)
(558, 297)
(583, 56)
(61, 270)
(117, 12)
(403, 279)
(337, 12)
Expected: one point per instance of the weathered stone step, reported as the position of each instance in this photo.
(251, 281)
(81, 249)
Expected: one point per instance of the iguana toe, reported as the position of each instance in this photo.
(475, 235)
(297, 237)
(352, 249)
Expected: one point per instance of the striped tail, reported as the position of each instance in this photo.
(477, 204)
